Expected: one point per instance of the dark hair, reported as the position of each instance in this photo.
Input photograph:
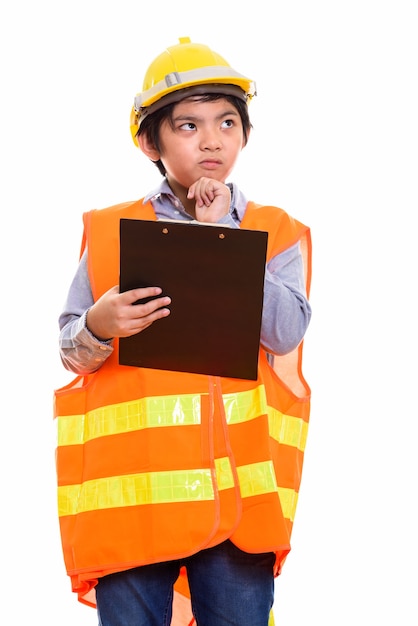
(150, 126)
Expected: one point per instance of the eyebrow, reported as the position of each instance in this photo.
(196, 118)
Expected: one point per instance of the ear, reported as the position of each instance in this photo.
(147, 147)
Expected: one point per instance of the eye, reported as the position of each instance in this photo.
(227, 123)
(188, 126)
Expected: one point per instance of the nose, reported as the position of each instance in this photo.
(210, 141)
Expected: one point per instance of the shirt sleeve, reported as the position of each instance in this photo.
(80, 351)
(286, 310)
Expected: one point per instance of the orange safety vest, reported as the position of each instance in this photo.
(156, 465)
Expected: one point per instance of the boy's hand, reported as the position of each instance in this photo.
(113, 315)
(212, 199)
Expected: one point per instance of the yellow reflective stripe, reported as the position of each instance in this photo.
(70, 430)
(128, 416)
(288, 501)
(224, 476)
(286, 429)
(245, 405)
(178, 410)
(162, 487)
(153, 412)
(256, 479)
(136, 489)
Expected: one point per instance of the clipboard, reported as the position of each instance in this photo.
(215, 278)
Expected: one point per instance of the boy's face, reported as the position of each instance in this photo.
(204, 139)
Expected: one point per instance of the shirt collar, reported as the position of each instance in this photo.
(238, 200)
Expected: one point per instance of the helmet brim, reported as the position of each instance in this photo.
(188, 92)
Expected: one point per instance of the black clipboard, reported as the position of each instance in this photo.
(215, 278)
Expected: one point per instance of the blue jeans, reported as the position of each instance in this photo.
(228, 587)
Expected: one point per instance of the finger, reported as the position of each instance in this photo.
(141, 294)
(141, 323)
(191, 191)
(144, 310)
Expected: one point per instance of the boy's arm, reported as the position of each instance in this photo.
(84, 324)
(286, 310)
(80, 351)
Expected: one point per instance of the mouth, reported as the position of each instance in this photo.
(210, 164)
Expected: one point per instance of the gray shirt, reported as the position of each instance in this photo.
(286, 310)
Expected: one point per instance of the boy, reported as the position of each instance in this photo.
(171, 483)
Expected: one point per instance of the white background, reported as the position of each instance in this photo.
(335, 144)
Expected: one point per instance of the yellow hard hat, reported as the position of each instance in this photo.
(186, 66)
